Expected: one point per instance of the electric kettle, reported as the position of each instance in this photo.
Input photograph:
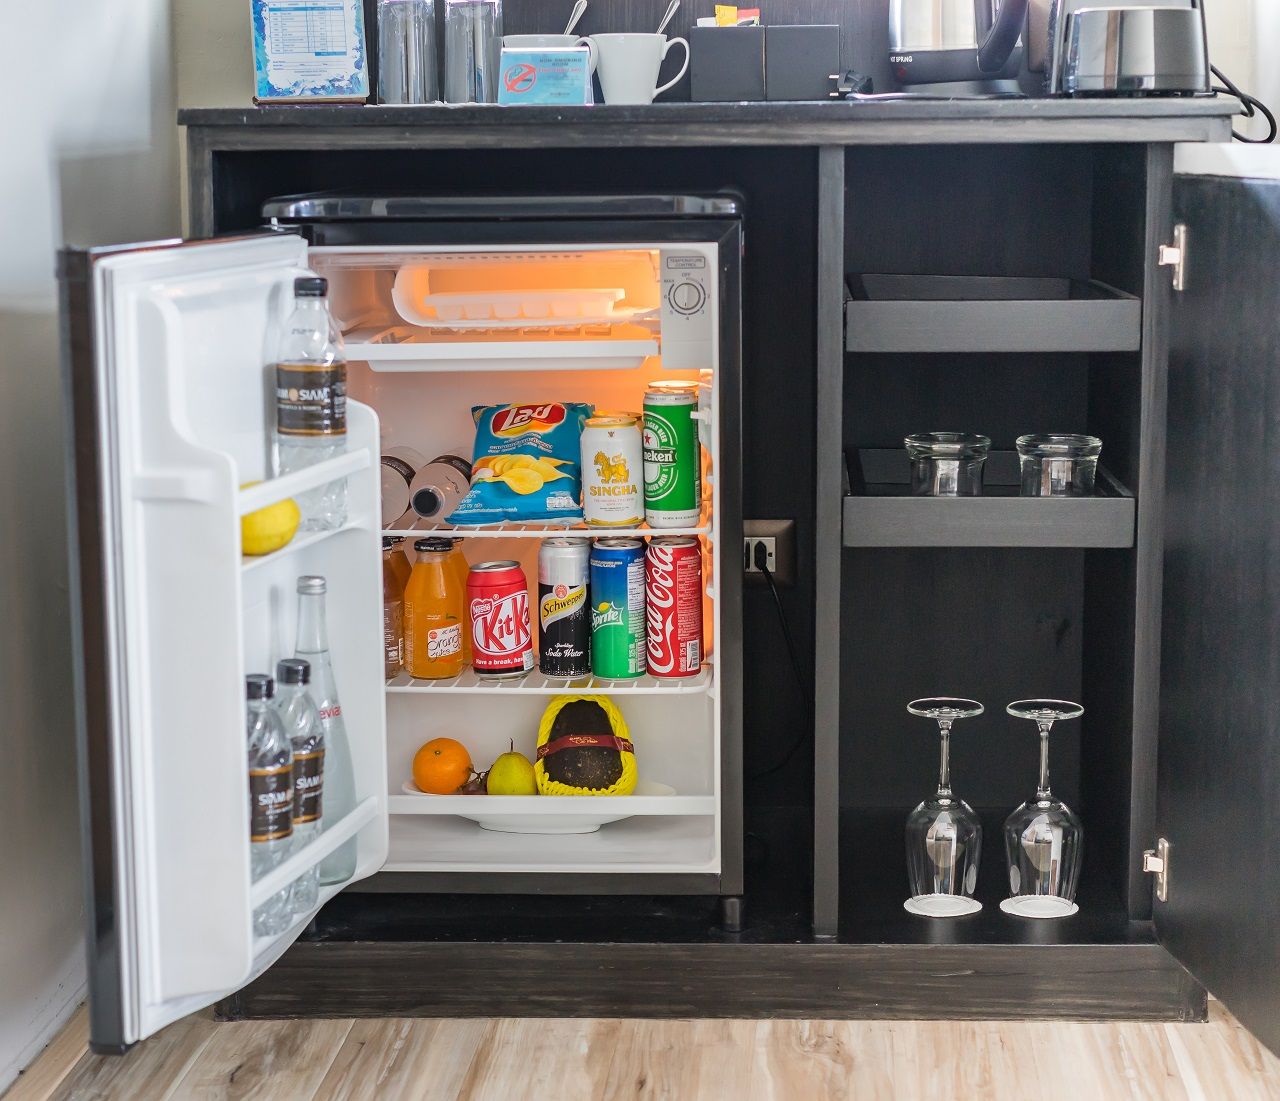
(940, 41)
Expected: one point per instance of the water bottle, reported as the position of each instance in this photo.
(311, 401)
(270, 801)
(472, 47)
(301, 722)
(407, 51)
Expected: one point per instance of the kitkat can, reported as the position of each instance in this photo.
(617, 609)
(673, 606)
(564, 608)
(672, 456)
(498, 611)
(612, 471)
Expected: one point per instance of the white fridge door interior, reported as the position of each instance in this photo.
(183, 337)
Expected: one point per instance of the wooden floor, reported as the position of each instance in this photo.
(566, 1060)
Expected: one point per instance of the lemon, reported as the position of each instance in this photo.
(511, 774)
(269, 528)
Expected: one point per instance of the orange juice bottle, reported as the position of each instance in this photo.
(401, 561)
(458, 563)
(392, 611)
(433, 599)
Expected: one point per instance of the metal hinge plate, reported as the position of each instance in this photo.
(1175, 256)
(1156, 862)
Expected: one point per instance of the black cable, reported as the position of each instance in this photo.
(1249, 107)
(761, 559)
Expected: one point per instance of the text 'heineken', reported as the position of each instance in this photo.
(617, 609)
(672, 466)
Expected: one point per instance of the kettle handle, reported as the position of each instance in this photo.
(1003, 36)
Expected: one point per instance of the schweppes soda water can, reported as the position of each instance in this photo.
(617, 609)
(564, 608)
(672, 455)
(612, 471)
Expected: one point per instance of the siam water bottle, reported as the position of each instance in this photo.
(311, 401)
(407, 51)
(340, 781)
(270, 801)
(301, 722)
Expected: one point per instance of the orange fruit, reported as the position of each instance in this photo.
(441, 766)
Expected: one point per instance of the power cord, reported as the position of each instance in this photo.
(760, 554)
(1249, 107)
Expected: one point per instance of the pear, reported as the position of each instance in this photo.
(511, 774)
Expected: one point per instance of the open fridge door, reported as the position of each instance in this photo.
(167, 349)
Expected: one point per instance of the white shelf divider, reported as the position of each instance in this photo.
(329, 841)
(322, 473)
(553, 805)
(538, 684)
(540, 531)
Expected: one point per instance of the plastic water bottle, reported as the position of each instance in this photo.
(301, 722)
(270, 801)
(311, 401)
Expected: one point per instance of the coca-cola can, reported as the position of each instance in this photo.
(498, 609)
(673, 606)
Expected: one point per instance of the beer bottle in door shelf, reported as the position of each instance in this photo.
(392, 611)
(433, 613)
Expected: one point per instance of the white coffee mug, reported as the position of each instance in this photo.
(553, 42)
(629, 65)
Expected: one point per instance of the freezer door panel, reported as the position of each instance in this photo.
(178, 371)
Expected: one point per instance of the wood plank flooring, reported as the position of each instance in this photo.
(700, 1060)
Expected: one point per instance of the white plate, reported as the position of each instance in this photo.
(942, 906)
(1039, 906)
(544, 813)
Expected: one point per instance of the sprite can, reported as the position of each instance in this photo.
(617, 609)
(672, 457)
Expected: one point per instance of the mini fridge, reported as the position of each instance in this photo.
(445, 304)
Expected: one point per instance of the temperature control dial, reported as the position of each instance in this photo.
(686, 298)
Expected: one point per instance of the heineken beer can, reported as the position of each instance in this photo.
(612, 471)
(564, 610)
(617, 609)
(672, 474)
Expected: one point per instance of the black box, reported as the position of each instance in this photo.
(799, 61)
(726, 64)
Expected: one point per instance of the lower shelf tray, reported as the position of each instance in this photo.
(879, 510)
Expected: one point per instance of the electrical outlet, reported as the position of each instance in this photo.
(779, 538)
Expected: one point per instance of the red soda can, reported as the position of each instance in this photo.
(673, 605)
(498, 608)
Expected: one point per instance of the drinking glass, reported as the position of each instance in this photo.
(472, 44)
(407, 51)
(1043, 838)
(947, 464)
(1058, 464)
(944, 836)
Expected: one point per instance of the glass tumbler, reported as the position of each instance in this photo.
(947, 464)
(407, 52)
(1058, 465)
(472, 49)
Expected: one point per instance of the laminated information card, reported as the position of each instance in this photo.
(309, 50)
(559, 76)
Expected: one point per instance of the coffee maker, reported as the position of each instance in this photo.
(956, 41)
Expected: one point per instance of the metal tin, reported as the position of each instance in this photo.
(673, 606)
(617, 609)
(564, 608)
(612, 469)
(672, 456)
(498, 610)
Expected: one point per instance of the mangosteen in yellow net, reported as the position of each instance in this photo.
(584, 748)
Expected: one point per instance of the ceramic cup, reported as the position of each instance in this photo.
(629, 65)
(553, 42)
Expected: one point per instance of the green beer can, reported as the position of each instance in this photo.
(672, 457)
(618, 632)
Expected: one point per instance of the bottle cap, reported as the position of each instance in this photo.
(388, 542)
(310, 286)
(427, 502)
(259, 686)
(437, 544)
(293, 671)
(309, 585)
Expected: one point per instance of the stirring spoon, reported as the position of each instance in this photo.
(578, 8)
(672, 8)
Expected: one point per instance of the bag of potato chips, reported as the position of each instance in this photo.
(526, 464)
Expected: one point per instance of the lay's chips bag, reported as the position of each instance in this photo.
(526, 464)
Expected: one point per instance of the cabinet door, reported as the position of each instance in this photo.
(1219, 750)
(167, 349)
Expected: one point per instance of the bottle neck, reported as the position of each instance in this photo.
(259, 706)
(313, 638)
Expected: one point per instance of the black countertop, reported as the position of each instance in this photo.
(834, 122)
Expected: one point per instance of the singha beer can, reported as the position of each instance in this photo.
(673, 606)
(498, 610)
(617, 609)
(612, 469)
(672, 456)
(564, 609)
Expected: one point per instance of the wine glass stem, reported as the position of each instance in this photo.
(944, 763)
(1043, 792)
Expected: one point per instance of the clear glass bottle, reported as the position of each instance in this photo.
(311, 401)
(472, 44)
(301, 722)
(407, 52)
(270, 766)
(392, 610)
(340, 782)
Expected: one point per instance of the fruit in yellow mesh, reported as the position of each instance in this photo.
(270, 528)
(523, 480)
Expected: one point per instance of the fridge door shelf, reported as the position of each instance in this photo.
(401, 348)
(537, 684)
(423, 528)
(329, 841)
(299, 543)
(269, 492)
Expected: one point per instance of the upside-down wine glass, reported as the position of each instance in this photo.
(944, 836)
(1043, 838)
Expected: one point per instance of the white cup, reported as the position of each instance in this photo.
(553, 42)
(629, 65)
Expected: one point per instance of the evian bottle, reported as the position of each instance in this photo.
(339, 778)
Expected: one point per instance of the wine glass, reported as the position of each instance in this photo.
(1043, 838)
(944, 836)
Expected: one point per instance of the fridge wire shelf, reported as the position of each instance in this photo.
(538, 684)
(422, 528)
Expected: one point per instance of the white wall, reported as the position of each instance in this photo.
(89, 157)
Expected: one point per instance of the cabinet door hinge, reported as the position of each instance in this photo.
(1156, 862)
(1175, 256)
